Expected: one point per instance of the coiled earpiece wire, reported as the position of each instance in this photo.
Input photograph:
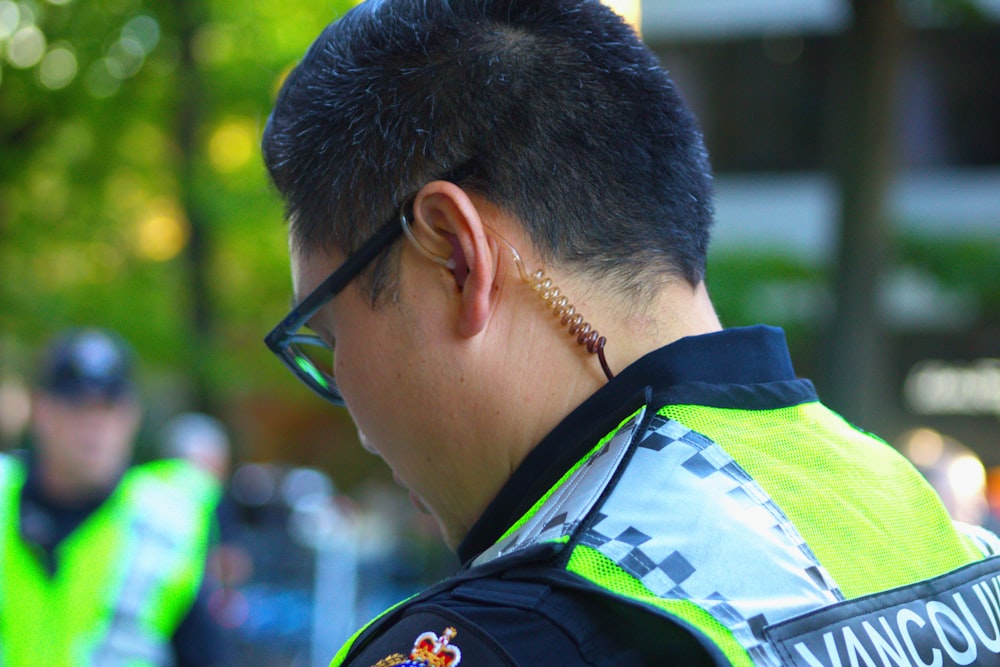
(542, 285)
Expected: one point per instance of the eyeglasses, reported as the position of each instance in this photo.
(310, 358)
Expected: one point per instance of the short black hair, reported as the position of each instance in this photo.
(554, 110)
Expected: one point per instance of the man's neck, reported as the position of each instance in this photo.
(677, 311)
(551, 380)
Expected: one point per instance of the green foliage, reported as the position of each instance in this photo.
(750, 287)
(970, 264)
(96, 192)
(753, 287)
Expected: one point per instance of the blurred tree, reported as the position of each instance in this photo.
(854, 361)
(854, 373)
(189, 17)
(132, 193)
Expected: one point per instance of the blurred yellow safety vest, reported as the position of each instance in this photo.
(125, 577)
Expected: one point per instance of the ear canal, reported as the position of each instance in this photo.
(404, 221)
(458, 264)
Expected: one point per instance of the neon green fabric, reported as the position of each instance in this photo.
(830, 480)
(63, 619)
(595, 567)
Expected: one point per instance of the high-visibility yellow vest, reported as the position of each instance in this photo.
(124, 579)
(781, 536)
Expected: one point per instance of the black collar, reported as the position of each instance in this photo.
(746, 367)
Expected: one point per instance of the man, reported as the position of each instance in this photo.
(665, 492)
(100, 564)
(203, 441)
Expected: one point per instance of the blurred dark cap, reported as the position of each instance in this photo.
(88, 364)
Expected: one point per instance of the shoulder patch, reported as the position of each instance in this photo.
(432, 637)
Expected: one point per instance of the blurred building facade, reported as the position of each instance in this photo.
(759, 74)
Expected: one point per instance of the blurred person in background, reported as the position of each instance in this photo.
(666, 492)
(203, 441)
(101, 562)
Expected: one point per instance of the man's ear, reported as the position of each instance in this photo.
(447, 224)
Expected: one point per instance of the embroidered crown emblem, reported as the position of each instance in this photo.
(434, 651)
(429, 650)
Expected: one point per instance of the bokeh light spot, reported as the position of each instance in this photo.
(26, 47)
(924, 447)
(10, 18)
(144, 30)
(162, 232)
(58, 68)
(231, 146)
(967, 474)
(125, 58)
